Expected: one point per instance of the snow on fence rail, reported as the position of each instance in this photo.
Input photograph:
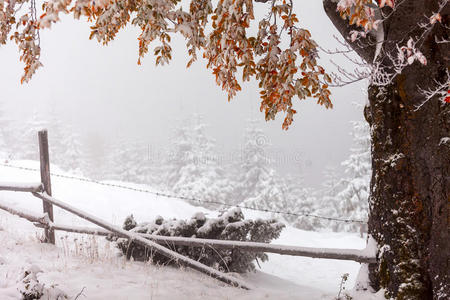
(21, 187)
(157, 243)
(328, 253)
(42, 219)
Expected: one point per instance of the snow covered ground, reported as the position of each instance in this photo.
(81, 263)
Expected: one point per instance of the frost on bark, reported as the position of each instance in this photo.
(409, 196)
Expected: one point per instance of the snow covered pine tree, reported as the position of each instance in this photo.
(193, 170)
(407, 44)
(258, 185)
(352, 199)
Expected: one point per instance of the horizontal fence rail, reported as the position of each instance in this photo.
(21, 187)
(26, 215)
(326, 253)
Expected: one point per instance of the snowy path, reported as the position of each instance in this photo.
(107, 277)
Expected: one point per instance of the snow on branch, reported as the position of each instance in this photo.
(440, 90)
(383, 74)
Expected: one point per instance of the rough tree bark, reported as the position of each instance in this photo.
(410, 189)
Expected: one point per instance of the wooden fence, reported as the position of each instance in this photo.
(161, 244)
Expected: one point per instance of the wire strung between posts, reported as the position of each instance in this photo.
(167, 195)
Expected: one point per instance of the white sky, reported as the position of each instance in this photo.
(104, 92)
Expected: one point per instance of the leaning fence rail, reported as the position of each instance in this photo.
(160, 244)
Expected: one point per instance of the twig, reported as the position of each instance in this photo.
(80, 294)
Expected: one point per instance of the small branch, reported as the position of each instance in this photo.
(366, 52)
(80, 293)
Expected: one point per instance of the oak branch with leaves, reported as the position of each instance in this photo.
(218, 32)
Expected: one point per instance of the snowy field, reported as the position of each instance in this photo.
(98, 273)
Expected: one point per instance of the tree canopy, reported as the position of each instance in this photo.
(281, 55)
(220, 31)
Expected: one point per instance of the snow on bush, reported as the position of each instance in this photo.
(30, 288)
(230, 225)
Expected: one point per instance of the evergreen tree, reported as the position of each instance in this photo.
(353, 199)
(331, 183)
(4, 135)
(127, 161)
(56, 130)
(193, 170)
(269, 193)
(179, 153)
(154, 168)
(347, 198)
(302, 201)
(28, 144)
(329, 205)
(259, 185)
(254, 167)
(71, 149)
(95, 157)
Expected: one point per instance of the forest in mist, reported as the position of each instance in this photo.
(193, 166)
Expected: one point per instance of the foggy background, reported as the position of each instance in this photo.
(103, 92)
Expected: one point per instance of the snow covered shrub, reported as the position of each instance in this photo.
(30, 288)
(230, 225)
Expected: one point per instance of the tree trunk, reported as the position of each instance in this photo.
(409, 197)
(409, 200)
(409, 192)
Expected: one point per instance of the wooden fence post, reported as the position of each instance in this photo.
(45, 179)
